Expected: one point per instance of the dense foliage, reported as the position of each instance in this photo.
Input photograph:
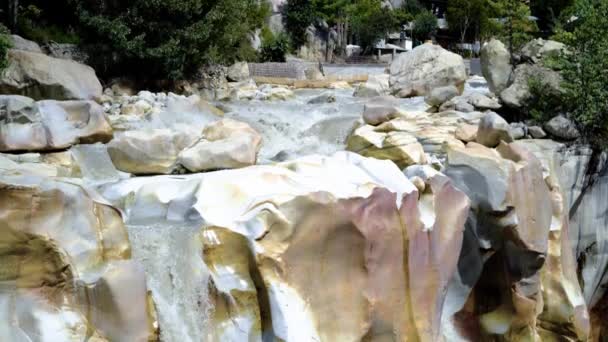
(585, 69)
(365, 21)
(425, 25)
(274, 47)
(5, 44)
(467, 16)
(513, 24)
(297, 16)
(370, 22)
(169, 38)
(548, 12)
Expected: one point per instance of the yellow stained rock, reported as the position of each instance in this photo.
(65, 260)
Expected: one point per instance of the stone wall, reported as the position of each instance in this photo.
(285, 70)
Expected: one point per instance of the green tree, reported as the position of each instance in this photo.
(512, 23)
(370, 22)
(413, 7)
(274, 48)
(465, 16)
(5, 45)
(298, 15)
(425, 25)
(169, 38)
(549, 11)
(585, 70)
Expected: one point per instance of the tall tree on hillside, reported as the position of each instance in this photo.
(335, 13)
(425, 25)
(514, 24)
(167, 39)
(370, 22)
(585, 70)
(298, 15)
(466, 15)
(13, 12)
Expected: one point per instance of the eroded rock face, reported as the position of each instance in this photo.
(42, 77)
(355, 223)
(425, 68)
(65, 263)
(584, 180)
(516, 251)
(49, 125)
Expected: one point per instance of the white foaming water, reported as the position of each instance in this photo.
(294, 128)
(171, 254)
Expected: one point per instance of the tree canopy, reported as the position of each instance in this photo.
(168, 38)
(585, 69)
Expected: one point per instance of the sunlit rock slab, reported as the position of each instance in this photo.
(65, 260)
(381, 252)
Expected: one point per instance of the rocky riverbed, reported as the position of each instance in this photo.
(260, 212)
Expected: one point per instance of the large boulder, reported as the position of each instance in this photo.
(493, 129)
(149, 151)
(227, 144)
(538, 49)
(376, 85)
(496, 65)
(440, 95)
(562, 128)
(426, 67)
(42, 77)
(238, 72)
(518, 93)
(23, 44)
(26, 125)
(381, 109)
(66, 263)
